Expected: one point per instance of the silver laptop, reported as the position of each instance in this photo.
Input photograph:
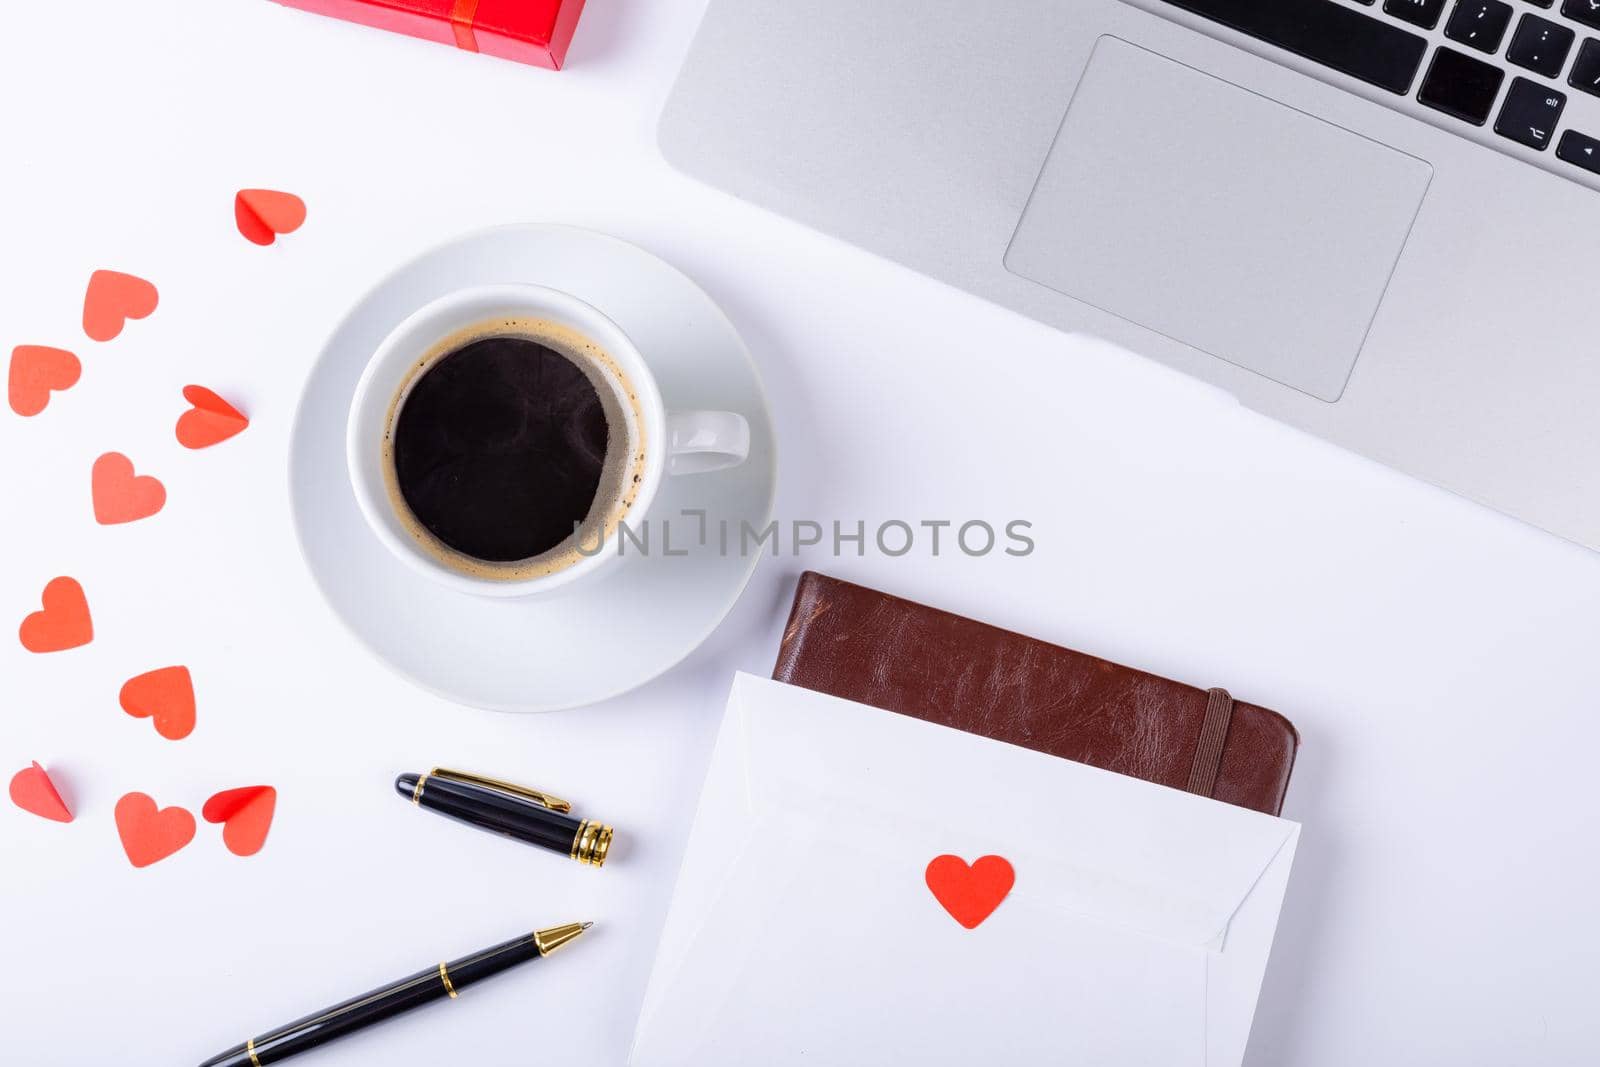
(1377, 220)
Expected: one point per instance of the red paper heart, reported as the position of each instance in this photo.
(165, 696)
(62, 623)
(119, 494)
(36, 372)
(33, 791)
(970, 894)
(245, 815)
(150, 834)
(210, 419)
(262, 214)
(112, 299)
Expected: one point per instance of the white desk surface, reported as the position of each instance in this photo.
(1438, 659)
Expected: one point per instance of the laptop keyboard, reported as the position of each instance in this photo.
(1498, 66)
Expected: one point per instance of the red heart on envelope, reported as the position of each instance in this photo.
(33, 791)
(970, 893)
(112, 299)
(148, 833)
(209, 420)
(245, 815)
(165, 696)
(119, 494)
(62, 623)
(36, 372)
(263, 214)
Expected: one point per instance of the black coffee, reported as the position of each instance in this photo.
(499, 448)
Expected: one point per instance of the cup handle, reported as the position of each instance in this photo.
(701, 441)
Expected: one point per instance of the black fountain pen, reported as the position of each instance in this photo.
(508, 809)
(445, 980)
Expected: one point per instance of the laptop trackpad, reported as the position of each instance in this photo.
(1218, 217)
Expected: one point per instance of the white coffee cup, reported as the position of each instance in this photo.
(672, 443)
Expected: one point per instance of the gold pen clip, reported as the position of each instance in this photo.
(543, 799)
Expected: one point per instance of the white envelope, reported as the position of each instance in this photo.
(802, 931)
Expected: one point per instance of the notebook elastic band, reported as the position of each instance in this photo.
(463, 20)
(1213, 734)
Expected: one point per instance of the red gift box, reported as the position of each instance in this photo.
(530, 31)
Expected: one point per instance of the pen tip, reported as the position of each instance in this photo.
(587, 925)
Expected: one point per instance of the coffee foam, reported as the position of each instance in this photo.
(621, 476)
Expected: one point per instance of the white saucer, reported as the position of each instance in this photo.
(601, 638)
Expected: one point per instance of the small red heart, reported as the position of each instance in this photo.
(119, 494)
(245, 815)
(150, 834)
(262, 214)
(210, 419)
(62, 623)
(32, 790)
(165, 696)
(970, 894)
(112, 299)
(36, 372)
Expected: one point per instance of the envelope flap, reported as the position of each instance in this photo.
(1103, 846)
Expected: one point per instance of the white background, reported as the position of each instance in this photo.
(1438, 659)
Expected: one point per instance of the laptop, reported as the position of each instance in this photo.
(1375, 220)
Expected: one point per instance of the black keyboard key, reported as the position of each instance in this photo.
(1584, 11)
(1424, 13)
(1479, 24)
(1324, 32)
(1581, 149)
(1541, 3)
(1461, 86)
(1530, 113)
(1540, 45)
(1586, 68)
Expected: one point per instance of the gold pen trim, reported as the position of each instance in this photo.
(444, 976)
(591, 843)
(250, 1048)
(547, 800)
(553, 937)
(416, 792)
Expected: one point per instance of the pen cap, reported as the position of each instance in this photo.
(528, 815)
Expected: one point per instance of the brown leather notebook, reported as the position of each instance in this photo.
(873, 648)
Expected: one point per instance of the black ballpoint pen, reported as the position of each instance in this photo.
(512, 810)
(445, 980)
